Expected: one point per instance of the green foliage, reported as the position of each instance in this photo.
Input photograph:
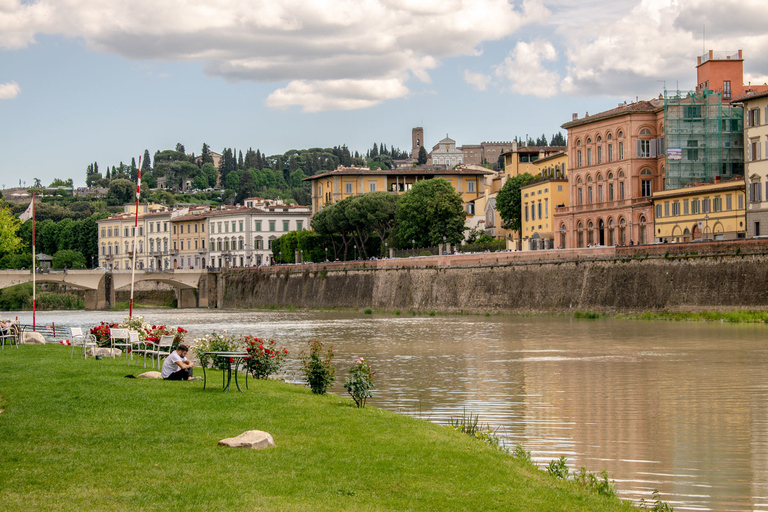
(68, 258)
(319, 372)
(428, 212)
(9, 226)
(657, 505)
(470, 424)
(601, 485)
(215, 342)
(17, 261)
(121, 191)
(558, 468)
(520, 454)
(359, 386)
(422, 159)
(16, 297)
(588, 315)
(509, 203)
(266, 358)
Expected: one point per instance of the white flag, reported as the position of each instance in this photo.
(27, 213)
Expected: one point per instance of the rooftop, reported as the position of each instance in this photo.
(643, 106)
(414, 171)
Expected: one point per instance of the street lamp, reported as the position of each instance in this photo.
(413, 247)
(326, 255)
(386, 250)
(631, 240)
(445, 250)
(355, 253)
(706, 224)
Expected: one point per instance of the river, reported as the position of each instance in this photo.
(681, 407)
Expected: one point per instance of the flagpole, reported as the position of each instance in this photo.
(34, 276)
(135, 232)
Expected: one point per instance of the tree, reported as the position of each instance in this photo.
(180, 148)
(9, 225)
(146, 164)
(428, 212)
(422, 156)
(378, 209)
(68, 258)
(558, 140)
(211, 174)
(205, 155)
(509, 204)
(61, 183)
(246, 187)
(121, 192)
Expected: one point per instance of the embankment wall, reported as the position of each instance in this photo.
(605, 279)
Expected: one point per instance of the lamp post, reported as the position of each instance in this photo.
(386, 250)
(631, 239)
(355, 253)
(445, 249)
(326, 255)
(413, 247)
(706, 224)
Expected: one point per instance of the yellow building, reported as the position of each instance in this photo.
(524, 159)
(188, 239)
(539, 200)
(116, 241)
(334, 186)
(701, 211)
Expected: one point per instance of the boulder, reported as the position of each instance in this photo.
(255, 439)
(32, 338)
(103, 351)
(149, 375)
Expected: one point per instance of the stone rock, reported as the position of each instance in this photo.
(150, 375)
(255, 439)
(32, 338)
(103, 351)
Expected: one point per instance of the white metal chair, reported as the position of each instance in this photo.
(76, 337)
(119, 338)
(162, 348)
(7, 335)
(137, 346)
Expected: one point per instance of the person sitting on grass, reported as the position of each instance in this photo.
(176, 366)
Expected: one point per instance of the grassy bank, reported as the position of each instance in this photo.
(77, 435)
(19, 298)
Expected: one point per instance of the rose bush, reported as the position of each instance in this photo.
(265, 357)
(359, 386)
(320, 373)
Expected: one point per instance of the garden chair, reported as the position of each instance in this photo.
(119, 338)
(7, 335)
(137, 346)
(76, 337)
(162, 348)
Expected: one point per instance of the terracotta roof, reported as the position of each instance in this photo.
(551, 157)
(416, 171)
(653, 105)
(750, 96)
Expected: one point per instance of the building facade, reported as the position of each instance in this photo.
(539, 200)
(713, 211)
(446, 153)
(188, 235)
(332, 187)
(615, 166)
(756, 165)
(520, 160)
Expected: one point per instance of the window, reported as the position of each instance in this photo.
(589, 156)
(470, 186)
(348, 187)
(539, 207)
(126, 232)
(621, 190)
(692, 152)
(286, 225)
(754, 192)
(241, 225)
(578, 158)
(610, 152)
(685, 207)
(600, 154)
(195, 227)
(546, 208)
(599, 193)
(610, 191)
(258, 226)
(741, 201)
(706, 205)
(233, 226)
(695, 210)
(658, 211)
(646, 188)
(753, 118)
(581, 199)
(666, 208)
(621, 151)
(299, 225)
(589, 195)
(692, 112)
(726, 89)
(676, 209)
(259, 243)
(754, 149)
(526, 212)
(371, 186)
(643, 149)
(717, 204)
(272, 225)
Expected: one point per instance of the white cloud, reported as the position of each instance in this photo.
(524, 71)
(478, 80)
(320, 95)
(307, 41)
(9, 90)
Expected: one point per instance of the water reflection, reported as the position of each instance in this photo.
(678, 407)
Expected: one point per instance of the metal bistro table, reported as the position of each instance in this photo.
(233, 358)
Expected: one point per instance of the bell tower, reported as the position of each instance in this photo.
(417, 140)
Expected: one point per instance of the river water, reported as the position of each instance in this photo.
(681, 407)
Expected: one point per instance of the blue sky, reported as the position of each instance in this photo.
(103, 80)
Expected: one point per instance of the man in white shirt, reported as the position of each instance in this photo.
(176, 366)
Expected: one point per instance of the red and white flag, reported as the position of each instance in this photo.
(27, 213)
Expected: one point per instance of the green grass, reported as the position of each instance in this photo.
(77, 435)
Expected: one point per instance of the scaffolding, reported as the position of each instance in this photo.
(703, 136)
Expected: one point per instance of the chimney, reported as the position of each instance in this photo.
(717, 179)
(575, 116)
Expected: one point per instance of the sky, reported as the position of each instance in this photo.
(103, 80)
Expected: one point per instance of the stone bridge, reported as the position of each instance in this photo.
(100, 286)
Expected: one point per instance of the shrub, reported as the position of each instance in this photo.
(215, 342)
(265, 357)
(558, 468)
(101, 332)
(320, 373)
(591, 482)
(368, 311)
(359, 386)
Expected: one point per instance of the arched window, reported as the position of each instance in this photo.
(562, 236)
(610, 136)
(622, 232)
(645, 131)
(621, 174)
(580, 236)
(590, 234)
(599, 177)
(599, 139)
(610, 175)
(578, 142)
(611, 234)
(646, 183)
(589, 140)
(589, 179)
(621, 134)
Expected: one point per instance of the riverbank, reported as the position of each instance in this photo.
(86, 438)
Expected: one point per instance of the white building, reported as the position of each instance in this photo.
(445, 153)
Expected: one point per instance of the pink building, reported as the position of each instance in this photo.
(616, 162)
